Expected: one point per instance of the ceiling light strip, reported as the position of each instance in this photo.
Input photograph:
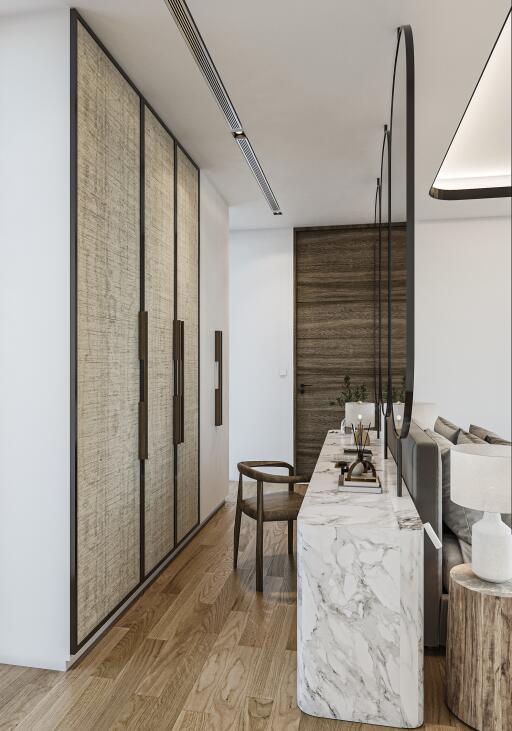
(192, 36)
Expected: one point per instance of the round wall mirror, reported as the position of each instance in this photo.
(400, 292)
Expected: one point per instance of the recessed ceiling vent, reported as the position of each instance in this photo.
(253, 162)
(191, 34)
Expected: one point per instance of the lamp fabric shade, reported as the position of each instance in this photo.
(481, 477)
(356, 409)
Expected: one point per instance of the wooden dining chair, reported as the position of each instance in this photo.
(275, 506)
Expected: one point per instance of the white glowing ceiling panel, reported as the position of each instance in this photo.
(478, 161)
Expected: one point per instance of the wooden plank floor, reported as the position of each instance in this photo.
(199, 651)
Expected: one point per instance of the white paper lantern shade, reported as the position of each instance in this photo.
(359, 412)
(398, 415)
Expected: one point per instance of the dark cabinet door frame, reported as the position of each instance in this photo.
(76, 18)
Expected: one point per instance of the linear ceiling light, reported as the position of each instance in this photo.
(191, 34)
(477, 163)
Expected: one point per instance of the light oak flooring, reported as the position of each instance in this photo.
(199, 651)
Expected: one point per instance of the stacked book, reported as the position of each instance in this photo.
(360, 483)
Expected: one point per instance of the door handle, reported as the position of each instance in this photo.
(302, 387)
(433, 536)
(179, 382)
(143, 401)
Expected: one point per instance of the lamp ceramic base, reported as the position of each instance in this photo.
(492, 549)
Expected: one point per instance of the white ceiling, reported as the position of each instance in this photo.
(311, 83)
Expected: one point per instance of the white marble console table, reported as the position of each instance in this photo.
(360, 598)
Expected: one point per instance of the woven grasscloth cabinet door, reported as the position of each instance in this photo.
(107, 366)
(187, 310)
(134, 286)
(159, 304)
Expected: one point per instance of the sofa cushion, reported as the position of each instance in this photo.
(444, 446)
(488, 435)
(421, 471)
(464, 437)
(447, 429)
(479, 431)
(452, 555)
(466, 549)
(495, 439)
(460, 520)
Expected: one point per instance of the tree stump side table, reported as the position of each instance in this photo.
(479, 651)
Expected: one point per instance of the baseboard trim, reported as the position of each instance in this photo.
(155, 573)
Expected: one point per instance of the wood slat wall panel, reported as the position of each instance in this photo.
(188, 310)
(334, 327)
(108, 287)
(159, 303)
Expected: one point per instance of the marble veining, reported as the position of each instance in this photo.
(360, 583)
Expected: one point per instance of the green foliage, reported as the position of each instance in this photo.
(350, 393)
(397, 393)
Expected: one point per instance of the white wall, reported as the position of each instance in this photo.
(463, 323)
(214, 305)
(34, 339)
(261, 332)
(463, 331)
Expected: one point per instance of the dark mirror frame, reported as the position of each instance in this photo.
(376, 304)
(384, 403)
(404, 34)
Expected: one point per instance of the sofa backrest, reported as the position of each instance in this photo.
(421, 472)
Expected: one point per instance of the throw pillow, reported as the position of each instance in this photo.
(479, 431)
(447, 429)
(489, 436)
(464, 437)
(458, 519)
(495, 439)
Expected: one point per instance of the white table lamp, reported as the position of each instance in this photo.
(398, 415)
(359, 412)
(481, 480)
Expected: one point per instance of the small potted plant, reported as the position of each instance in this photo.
(358, 410)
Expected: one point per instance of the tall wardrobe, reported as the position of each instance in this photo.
(135, 338)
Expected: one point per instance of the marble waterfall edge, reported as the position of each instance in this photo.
(360, 582)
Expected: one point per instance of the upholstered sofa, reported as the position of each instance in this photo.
(426, 472)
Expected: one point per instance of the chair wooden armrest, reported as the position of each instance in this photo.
(247, 469)
(278, 506)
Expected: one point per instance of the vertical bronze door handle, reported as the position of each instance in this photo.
(179, 382)
(143, 403)
(218, 384)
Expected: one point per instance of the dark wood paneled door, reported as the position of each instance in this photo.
(335, 311)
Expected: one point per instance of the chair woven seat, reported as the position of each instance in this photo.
(277, 506)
